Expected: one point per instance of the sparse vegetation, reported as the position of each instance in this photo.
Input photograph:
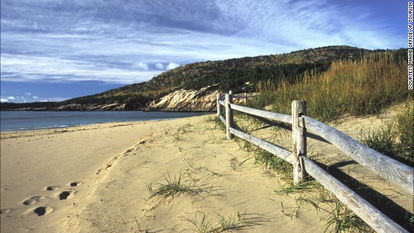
(338, 217)
(184, 129)
(292, 214)
(179, 132)
(405, 128)
(235, 164)
(174, 186)
(177, 137)
(290, 188)
(216, 121)
(341, 219)
(202, 223)
(282, 168)
(382, 139)
(395, 139)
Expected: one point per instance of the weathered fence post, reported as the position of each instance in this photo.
(218, 105)
(298, 140)
(229, 114)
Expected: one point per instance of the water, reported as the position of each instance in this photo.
(25, 120)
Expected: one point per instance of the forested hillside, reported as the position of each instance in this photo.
(239, 75)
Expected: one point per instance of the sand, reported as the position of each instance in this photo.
(97, 179)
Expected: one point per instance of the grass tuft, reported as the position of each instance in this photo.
(272, 162)
(395, 139)
(405, 128)
(341, 219)
(216, 121)
(174, 186)
(381, 140)
(203, 224)
(290, 188)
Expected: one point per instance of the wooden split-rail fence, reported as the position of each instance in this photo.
(395, 172)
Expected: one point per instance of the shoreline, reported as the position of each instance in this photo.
(86, 124)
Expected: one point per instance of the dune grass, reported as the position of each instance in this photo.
(174, 186)
(396, 139)
(216, 121)
(202, 223)
(355, 87)
(341, 219)
(381, 140)
(405, 129)
(272, 162)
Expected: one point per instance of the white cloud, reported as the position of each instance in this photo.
(141, 66)
(159, 66)
(309, 24)
(101, 47)
(54, 99)
(34, 68)
(172, 65)
(11, 97)
(28, 93)
(35, 97)
(3, 100)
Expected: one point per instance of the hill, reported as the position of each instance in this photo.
(193, 87)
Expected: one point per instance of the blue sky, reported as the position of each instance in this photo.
(53, 50)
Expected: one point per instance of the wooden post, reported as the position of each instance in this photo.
(298, 140)
(229, 114)
(218, 105)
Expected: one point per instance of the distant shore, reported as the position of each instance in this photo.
(28, 120)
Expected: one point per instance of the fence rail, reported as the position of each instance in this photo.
(388, 168)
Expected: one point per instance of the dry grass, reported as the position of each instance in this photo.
(202, 223)
(395, 139)
(355, 87)
(174, 186)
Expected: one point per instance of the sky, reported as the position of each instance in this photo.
(52, 50)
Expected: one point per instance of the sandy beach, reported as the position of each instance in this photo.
(98, 178)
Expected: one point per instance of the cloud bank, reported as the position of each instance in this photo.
(126, 41)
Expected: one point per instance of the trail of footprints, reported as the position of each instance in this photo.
(65, 194)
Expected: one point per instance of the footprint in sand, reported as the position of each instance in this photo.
(32, 200)
(42, 210)
(74, 184)
(66, 195)
(51, 188)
